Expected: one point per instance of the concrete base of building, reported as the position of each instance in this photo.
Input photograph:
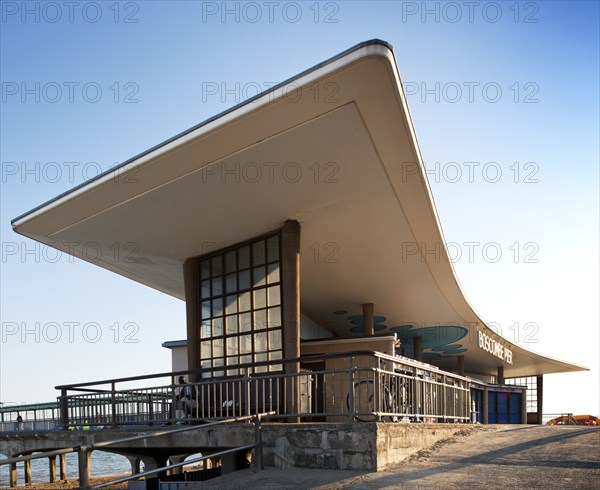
(367, 446)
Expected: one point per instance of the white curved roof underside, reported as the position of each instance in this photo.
(336, 151)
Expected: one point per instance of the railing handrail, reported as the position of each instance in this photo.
(175, 465)
(103, 444)
(74, 386)
(313, 357)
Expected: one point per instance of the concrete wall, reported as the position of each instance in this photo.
(353, 446)
(336, 386)
(348, 446)
(179, 358)
(384, 344)
(396, 442)
(327, 446)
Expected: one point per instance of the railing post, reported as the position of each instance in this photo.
(414, 394)
(64, 409)
(84, 468)
(113, 405)
(246, 388)
(52, 469)
(27, 471)
(379, 405)
(13, 480)
(445, 397)
(485, 406)
(174, 401)
(524, 406)
(351, 402)
(259, 444)
(150, 408)
(62, 460)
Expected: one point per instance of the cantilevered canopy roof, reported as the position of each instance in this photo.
(333, 148)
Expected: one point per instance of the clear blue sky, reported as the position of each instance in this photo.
(510, 86)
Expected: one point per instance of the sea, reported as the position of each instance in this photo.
(103, 463)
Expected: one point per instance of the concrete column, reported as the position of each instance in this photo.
(27, 469)
(290, 284)
(52, 469)
(524, 406)
(175, 460)
(63, 467)
(460, 365)
(484, 416)
(152, 463)
(84, 469)
(500, 376)
(540, 398)
(135, 464)
(418, 348)
(368, 319)
(191, 285)
(13, 475)
(64, 409)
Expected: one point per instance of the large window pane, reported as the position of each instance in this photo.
(260, 342)
(273, 273)
(244, 257)
(274, 317)
(217, 348)
(231, 304)
(260, 276)
(275, 339)
(217, 307)
(244, 279)
(205, 289)
(260, 298)
(245, 322)
(231, 325)
(216, 266)
(260, 320)
(245, 344)
(231, 344)
(274, 295)
(258, 252)
(231, 283)
(230, 262)
(205, 310)
(244, 303)
(217, 327)
(273, 249)
(205, 269)
(217, 286)
(205, 330)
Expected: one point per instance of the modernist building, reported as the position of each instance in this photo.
(302, 214)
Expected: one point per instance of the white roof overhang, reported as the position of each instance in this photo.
(333, 148)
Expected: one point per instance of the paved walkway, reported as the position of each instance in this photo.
(490, 457)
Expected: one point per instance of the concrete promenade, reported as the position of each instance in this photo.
(485, 457)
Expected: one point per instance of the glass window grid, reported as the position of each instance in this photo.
(221, 277)
(531, 383)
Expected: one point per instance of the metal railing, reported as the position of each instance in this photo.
(362, 385)
(84, 469)
(565, 419)
(36, 417)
